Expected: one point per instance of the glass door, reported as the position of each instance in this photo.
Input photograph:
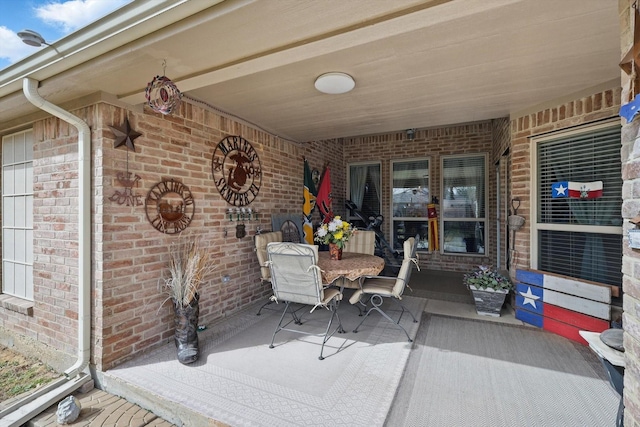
(410, 196)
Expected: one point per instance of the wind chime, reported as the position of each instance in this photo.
(125, 136)
(162, 95)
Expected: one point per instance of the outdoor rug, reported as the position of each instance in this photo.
(439, 285)
(240, 381)
(476, 373)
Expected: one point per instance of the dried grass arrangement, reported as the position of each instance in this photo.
(189, 263)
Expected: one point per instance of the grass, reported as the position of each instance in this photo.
(20, 374)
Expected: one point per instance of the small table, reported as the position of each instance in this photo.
(351, 267)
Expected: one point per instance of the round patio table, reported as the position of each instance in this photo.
(351, 267)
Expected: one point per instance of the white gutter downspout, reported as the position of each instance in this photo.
(25, 409)
(30, 89)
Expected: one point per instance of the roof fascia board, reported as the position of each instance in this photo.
(129, 23)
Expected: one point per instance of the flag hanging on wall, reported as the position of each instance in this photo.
(434, 240)
(576, 190)
(308, 203)
(324, 199)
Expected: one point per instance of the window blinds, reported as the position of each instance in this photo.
(586, 250)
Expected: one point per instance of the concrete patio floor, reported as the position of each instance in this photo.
(104, 409)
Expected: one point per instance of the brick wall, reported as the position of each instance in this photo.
(129, 255)
(501, 156)
(180, 146)
(433, 143)
(630, 257)
(631, 273)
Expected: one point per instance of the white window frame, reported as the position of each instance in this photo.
(17, 218)
(485, 219)
(535, 226)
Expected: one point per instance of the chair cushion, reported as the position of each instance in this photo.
(329, 294)
(362, 242)
(374, 285)
(261, 251)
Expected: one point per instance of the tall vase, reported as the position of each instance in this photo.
(186, 335)
(335, 253)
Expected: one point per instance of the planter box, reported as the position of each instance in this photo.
(488, 301)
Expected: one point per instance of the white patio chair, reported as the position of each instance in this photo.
(377, 288)
(261, 241)
(296, 278)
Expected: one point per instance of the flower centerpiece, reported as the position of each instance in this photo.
(334, 233)
(489, 289)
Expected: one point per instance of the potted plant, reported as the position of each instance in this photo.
(188, 265)
(489, 289)
(334, 233)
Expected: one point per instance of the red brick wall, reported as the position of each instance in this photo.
(433, 143)
(630, 257)
(501, 155)
(180, 146)
(129, 255)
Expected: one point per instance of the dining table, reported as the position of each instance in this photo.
(349, 269)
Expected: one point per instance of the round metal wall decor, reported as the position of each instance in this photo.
(169, 206)
(236, 170)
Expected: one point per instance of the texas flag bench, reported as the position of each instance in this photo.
(562, 305)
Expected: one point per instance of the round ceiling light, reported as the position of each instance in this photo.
(335, 83)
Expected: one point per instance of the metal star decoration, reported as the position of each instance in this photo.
(125, 135)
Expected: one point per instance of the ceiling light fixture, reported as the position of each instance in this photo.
(32, 38)
(335, 83)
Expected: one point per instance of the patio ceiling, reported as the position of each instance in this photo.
(416, 64)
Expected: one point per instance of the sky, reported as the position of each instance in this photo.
(52, 19)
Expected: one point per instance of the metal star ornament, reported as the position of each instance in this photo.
(125, 135)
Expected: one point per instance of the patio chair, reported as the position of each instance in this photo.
(261, 241)
(362, 242)
(377, 288)
(296, 279)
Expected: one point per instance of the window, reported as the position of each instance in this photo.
(17, 215)
(365, 190)
(579, 237)
(409, 199)
(463, 206)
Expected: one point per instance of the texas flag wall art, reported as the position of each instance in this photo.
(561, 305)
(576, 190)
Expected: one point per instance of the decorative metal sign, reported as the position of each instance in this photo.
(125, 135)
(236, 170)
(169, 206)
(127, 196)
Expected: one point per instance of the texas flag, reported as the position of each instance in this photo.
(576, 190)
(560, 305)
